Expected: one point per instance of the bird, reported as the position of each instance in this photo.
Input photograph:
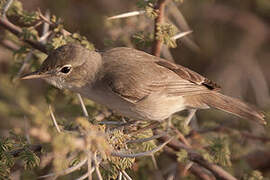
(136, 84)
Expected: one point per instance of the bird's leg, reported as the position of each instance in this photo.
(190, 116)
(169, 123)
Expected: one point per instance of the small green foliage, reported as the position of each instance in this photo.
(55, 20)
(205, 155)
(121, 163)
(18, 16)
(21, 53)
(62, 145)
(164, 34)
(145, 146)
(2, 3)
(179, 123)
(4, 171)
(30, 159)
(182, 156)
(116, 164)
(83, 41)
(253, 175)
(142, 40)
(29, 34)
(15, 8)
(117, 139)
(219, 151)
(8, 154)
(150, 11)
(51, 94)
(143, 3)
(6, 145)
(60, 40)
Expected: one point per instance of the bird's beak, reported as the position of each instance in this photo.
(35, 75)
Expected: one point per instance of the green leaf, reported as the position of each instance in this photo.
(30, 159)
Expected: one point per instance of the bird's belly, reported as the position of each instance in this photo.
(155, 107)
(158, 107)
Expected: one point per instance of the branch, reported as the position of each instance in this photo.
(18, 32)
(199, 172)
(66, 171)
(196, 157)
(160, 6)
(9, 45)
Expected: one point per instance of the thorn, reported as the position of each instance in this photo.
(180, 35)
(128, 14)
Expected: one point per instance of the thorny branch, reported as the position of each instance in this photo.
(160, 6)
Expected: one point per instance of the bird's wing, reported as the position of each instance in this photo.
(190, 79)
(138, 76)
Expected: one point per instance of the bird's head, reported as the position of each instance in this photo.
(69, 66)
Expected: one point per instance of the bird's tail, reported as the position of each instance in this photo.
(233, 106)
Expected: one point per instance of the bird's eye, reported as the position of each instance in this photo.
(65, 69)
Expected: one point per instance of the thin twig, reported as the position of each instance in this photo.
(120, 176)
(113, 123)
(150, 126)
(9, 45)
(53, 118)
(182, 138)
(192, 112)
(126, 175)
(83, 105)
(44, 37)
(89, 165)
(47, 20)
(147, 139)
(66, 171)
(45, 29)
(187, 167)
(141, 154)
(160, 6)
(171, 176)
(125, 15)
(25, 64)
(6, 7)
(85, 175)
(154, 161)
(97, 167)
(17, 31)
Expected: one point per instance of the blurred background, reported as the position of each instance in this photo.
(229, 43)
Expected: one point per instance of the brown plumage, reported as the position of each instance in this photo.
(137, 84)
